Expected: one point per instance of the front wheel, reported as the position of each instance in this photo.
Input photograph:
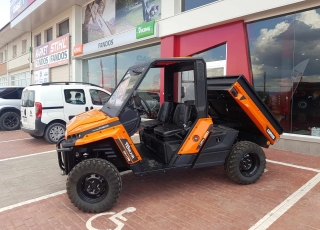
(246, 163)
(94, 185)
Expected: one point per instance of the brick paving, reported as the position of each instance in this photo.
(24, 144)
(300, 159)
(303, 215)
(9, 135)
(189, 199)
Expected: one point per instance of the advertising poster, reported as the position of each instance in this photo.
(41, 76)
(53, 53)
(17, 6)
(103, 18)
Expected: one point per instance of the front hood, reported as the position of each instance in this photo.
(87, 120)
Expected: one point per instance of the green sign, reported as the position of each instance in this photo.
(144, 30)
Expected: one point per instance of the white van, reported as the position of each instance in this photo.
(47, 107)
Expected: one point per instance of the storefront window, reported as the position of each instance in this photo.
(129, 58)
(21, 79)
(215, 60)
(191, 4)
(285, 58)
(101, 71)
(107, 71)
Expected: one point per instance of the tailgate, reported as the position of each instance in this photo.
(233, 100)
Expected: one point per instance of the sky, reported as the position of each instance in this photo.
(4, 12)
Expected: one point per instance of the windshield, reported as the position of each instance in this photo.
(122, 93)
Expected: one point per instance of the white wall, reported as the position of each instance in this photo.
(53, 23)
(222, 12)
(16, 42)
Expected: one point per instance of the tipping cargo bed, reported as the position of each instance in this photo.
(234, 103)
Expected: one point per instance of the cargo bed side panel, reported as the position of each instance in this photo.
(233, 100)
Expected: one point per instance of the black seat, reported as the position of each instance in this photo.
(180, 123)
(163, 116)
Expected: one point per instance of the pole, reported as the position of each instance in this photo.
(264, 82)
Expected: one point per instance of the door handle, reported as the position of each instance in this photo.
(87, 109)
(91, 107)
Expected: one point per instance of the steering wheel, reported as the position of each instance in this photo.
(144, 108)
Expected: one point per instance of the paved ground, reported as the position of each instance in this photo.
(33, 197)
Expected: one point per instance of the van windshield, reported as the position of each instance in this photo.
(122, 93)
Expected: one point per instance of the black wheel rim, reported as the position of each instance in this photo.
(249, 164)
(92, 188)
(11, 122)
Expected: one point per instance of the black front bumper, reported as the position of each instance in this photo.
(65, 156)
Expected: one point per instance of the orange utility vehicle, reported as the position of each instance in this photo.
(224, 124)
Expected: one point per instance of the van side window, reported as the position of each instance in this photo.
(98, 97)
(75, 96)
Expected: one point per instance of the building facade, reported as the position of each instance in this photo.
(274, 44)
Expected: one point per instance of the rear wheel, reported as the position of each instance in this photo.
(246, 163)
(94, 185)
(53, 132)
(10, 121)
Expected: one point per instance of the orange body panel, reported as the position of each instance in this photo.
(197, 136)
(90, 120)
(253, 112)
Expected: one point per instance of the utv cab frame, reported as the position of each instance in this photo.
(225, 124)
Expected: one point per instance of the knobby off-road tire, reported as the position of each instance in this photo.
(10, 121)
(94, 185)
(246, 163)
(53, 132)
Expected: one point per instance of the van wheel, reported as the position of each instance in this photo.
(246, 163)
(94, 185)
(10, 121)
(54, 132)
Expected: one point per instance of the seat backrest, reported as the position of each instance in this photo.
(182, 115)
(165, 111)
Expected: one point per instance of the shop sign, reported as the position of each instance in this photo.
(78, 50)
(145, 30)
(53, 53)
(115, 41)
(17, 6)
(41, 76)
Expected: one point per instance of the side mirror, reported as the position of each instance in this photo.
(183, 94)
